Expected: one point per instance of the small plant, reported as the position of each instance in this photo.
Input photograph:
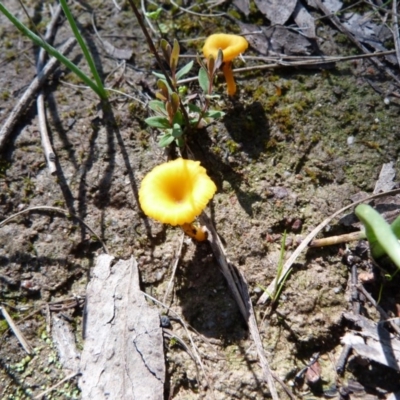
(280, 278)
(175, 110)
(382, 237)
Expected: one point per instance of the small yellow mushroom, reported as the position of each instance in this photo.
(231, 46)
(175, 193)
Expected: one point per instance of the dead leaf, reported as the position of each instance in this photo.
(276, 40)
(304, 20)
(385, 181)
(276, 11)
(123, 354)
(243, 6)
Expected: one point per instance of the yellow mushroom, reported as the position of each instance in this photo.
(231, 46)
(175, 193)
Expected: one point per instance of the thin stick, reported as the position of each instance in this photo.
(304, 244)
(332, 240)
(67, 378)
(26, 98)
(16, 331)
(174, 268)
(58, 210)
(48, 150)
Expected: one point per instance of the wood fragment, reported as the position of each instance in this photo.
(24, 343)
(123, 337)
(27, 97)
(64, 340)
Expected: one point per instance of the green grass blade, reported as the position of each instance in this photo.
(380, 236)
(84, 48)
(51, 50)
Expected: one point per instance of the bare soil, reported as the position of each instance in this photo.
(282, 160)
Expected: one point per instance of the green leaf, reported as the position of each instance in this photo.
(158, 75)
(177, 131)
(154, 14)
(380, 236)
(194, 108)
(157, 106)
(204, 82)
(157, 122)
(178, 118)
(214, 114)
(165, 140)
(184, 70)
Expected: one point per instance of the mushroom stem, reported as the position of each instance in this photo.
(230, 81)
(195, 232)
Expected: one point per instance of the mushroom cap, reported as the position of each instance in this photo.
(176, 192)
(231, 45)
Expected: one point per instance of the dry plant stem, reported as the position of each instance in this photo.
(26, 98)
(239, 289)
(330, 241)
(171, 281)
(67, 378)
(383, 313)
(48, 150)
(16, 331)
(396, 31)
(58, 210)
(304, 244)
(335, 20)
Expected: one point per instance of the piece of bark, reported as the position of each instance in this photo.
(64, 340)
(123, 354)
(277, 11)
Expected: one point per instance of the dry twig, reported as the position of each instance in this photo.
(48, 150)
